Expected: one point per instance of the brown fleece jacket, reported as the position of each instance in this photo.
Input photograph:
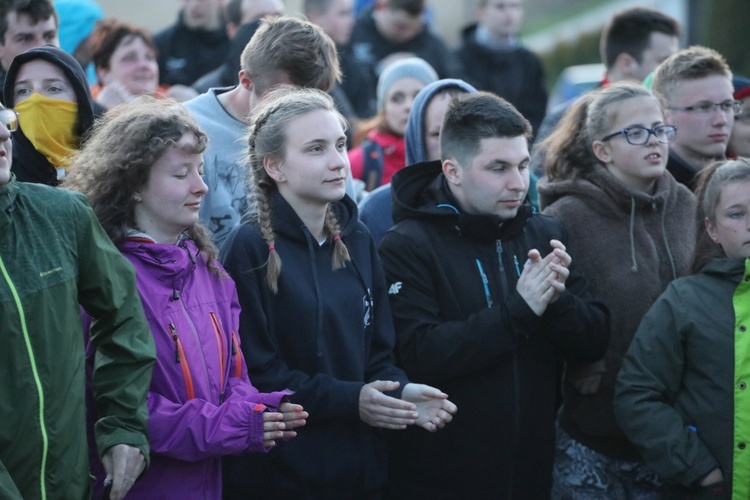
(630, 245)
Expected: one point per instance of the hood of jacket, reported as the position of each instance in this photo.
(287, 223)
(24, 153)
(414, 137)
(606, 194)
(169, 264)
(421, 192)
(727, 268)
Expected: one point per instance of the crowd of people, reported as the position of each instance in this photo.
(218, 279)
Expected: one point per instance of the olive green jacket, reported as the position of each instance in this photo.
(54, 255)
(683, 394)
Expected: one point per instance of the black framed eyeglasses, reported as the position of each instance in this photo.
(638, 136)
(9, 118)
(708, 107)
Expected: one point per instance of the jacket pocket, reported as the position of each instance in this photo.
(181, 359)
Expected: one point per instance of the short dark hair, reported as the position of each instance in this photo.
(233, 12)
(109, 34)
(412, 7)
(37, 10)
(629, 31)
(473, 117)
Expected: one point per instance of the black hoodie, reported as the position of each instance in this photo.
(30, 165)
(462, 326)
(324, 335)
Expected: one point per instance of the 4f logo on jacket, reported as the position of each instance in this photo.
(395, 288)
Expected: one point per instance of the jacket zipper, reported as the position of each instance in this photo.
(221, 347)
(237, 355)
(485, 282)
(514, 362)
(181, 359)
(37, 380)
(197, 341)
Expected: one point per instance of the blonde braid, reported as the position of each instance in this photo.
(340, 252)
(261, 184)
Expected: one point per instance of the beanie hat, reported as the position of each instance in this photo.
(410, 67)
(741, 87)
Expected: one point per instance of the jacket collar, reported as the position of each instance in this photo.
(287, 223)
(421, 192)
(171, 264)
(8, 194)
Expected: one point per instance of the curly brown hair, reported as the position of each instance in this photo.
(117, 159)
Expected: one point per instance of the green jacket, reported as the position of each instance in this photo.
(682, 394)
(54, 255)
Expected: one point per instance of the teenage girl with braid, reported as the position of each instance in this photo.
(315, 315)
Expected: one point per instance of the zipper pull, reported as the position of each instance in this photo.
(176, 338)
(518, 268)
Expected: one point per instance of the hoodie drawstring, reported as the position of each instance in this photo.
(319, 319)
(634, 267)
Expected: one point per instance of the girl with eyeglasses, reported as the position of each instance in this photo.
(631, 225)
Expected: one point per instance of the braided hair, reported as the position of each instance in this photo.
(268, 138)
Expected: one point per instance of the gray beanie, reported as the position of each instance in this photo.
(410, 67)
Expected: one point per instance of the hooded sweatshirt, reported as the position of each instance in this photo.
(30, 165)
(375, 209)
(201, 404)
(630, 245)
(185, 54)
(462, 326)
(324, 335)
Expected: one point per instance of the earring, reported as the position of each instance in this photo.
(137, 199)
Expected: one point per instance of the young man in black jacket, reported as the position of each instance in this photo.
(487, 301)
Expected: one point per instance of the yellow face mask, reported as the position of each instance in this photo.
(50, 125)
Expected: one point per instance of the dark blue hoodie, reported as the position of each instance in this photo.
(324, 335)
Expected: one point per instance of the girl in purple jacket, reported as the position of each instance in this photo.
(141, 170)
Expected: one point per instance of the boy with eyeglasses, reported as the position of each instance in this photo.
(695, 88)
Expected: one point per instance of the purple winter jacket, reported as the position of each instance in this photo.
(201, 402)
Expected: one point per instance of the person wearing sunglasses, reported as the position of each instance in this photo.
(695, 87)
(632, 226)
(54, 255)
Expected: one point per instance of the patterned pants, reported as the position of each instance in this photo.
(581, 473)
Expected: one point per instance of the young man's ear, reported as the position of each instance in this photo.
(626, 65)
(601, 151)
(452, 171)
(245, 80)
